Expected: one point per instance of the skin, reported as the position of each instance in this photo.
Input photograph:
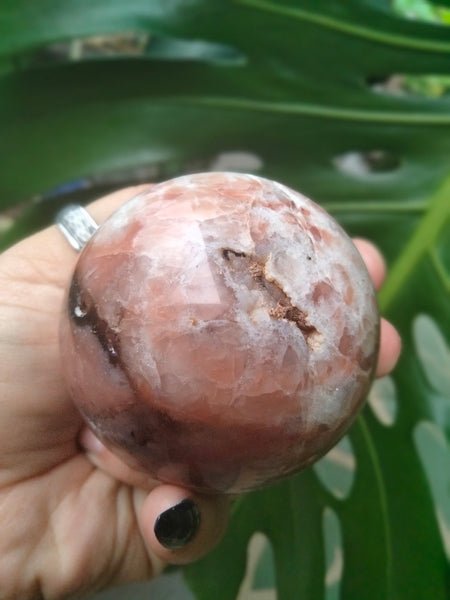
(75, 519)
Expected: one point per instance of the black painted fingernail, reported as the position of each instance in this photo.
(177, 526)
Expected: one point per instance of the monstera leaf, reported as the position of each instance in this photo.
(313, 91)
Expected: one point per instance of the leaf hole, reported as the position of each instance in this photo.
(414, 86)
(237, 160)
(171, 48)
(259, 582)
(434, 355)
(336, 470)
(369, 162)
(382, 400)
(334, 554)
(434, 453)
(265, 574)
(423, 11)
(135, 44)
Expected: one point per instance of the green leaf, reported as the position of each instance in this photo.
(310, 89)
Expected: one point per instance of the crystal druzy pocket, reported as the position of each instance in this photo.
(220, 332)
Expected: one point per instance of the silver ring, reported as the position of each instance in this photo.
(77, 225)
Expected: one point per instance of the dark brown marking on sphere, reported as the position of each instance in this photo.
(226, 252)
(83, 313)
(297, 316)
(78, 310)
(280, 305)
(158, 438)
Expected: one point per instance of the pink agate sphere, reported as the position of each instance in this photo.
(220, 332)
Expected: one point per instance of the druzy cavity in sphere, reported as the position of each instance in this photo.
(220, 332)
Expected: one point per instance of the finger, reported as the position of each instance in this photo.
(108, 462)
(390, 341)
(181, 526)
(177, 525)
(390, 348)
(373, 259)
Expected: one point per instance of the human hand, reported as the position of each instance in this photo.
(74, 519)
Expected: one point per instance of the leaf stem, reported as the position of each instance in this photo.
(320, 111)
(440, 269)
(420, 243)
(374, 206)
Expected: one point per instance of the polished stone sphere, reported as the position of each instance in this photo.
(220, 332)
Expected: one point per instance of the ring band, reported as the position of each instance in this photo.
(77, 225)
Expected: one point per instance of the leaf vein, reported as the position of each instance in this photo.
(327, 112)
(381, 36)
(383, 500)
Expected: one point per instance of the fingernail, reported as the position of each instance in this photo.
(90, 442)
(177, 526)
